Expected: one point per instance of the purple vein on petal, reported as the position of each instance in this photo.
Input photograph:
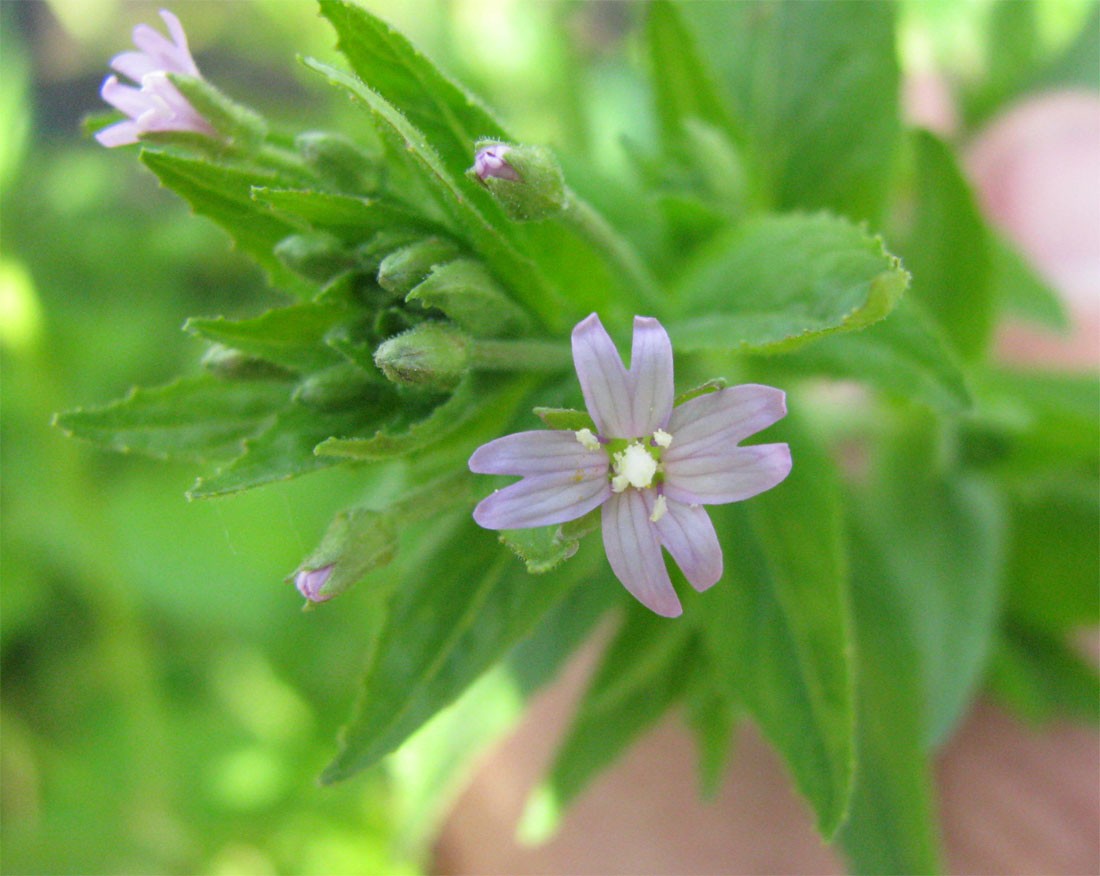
(537, 452)
(604, 381)
(543, 499)
(720, 474)
(651, 377)
(689, 536)
(725, 417)
(635, 554)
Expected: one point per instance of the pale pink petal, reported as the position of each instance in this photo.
(725, 417)
(720, 474)
(538, 452)
(125, 98)
(635, 554)
(133, 64)
(689, 536)
(184, 62)
(604, 381)
(118, 134)
(651, 376)
(542, 499)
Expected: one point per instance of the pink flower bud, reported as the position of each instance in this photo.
(490, 162)
(309, 583)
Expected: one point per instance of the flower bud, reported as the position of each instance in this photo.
(526, 180)
(430, 356)
(357, 541)
(407, 267)
(339, 161)
(338, 387)
(316, 256)
(230, 364)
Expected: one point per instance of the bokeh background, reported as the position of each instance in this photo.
(166, 706)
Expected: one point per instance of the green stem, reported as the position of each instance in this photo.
(589, 223)
(487, 355)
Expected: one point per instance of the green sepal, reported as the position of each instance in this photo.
(357, 541)
(540, 191)
(230, 119)
(542, 548)
(431, 356)
(466, 293)
(566, 418)
(712, 385)
(404, 268)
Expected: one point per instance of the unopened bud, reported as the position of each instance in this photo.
(430, 356)
(526, 180)
(316, 256)
(339, 161)
(407, 267)
(369, 255)
(357, 541)
(338, 387)
(230, 364)
(310, 583)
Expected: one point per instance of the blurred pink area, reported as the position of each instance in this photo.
(1012, 799)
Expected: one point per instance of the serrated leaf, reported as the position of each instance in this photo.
(777, 627)
(285, 449)
(466, 293)
(891, 826)
(195, 418)
(773, 283)
(542, 548)
(290, 336)
(513, 268)
(476, 393)
(223, 194)
(902, 355)
(451, 619)
(640, 675)
(352, 219)
(948, 251)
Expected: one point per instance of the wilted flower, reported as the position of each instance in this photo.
(310, 581)
(650, 465)
(157, 105)
(490, 162)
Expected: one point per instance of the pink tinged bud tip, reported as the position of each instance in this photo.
(490, 163)
(155, 104)
(651, 468)
(310, 581)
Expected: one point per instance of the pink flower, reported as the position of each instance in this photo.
(649, 465)
(157, 105)
(490, 162)
(310, 581)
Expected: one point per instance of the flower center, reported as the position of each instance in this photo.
(633, 466)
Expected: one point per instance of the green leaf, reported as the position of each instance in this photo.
(465, 292)
(566, 418)
(541, 548)
(949, 250)
(711, 716)
(776, 628)
(902, 356)
(285, 449)
(1035, 673)
(1078, 66)
(290, 336)
(712, 385)
(640, 676)
(223, 194)
(451, 118)
(1020, 290)
(195, 418)
(509, 265)
(815, 86)
(683, 86)
(944, 574)
(465, 606)
(773, 283)
(891, 826)
(352, 219)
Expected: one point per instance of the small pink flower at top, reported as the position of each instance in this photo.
(650, 465)
(157, 105)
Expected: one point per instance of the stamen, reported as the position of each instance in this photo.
(660, 506)
(635, 465)
(587, 440)
(661, 438)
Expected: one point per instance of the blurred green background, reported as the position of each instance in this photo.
(166, 706)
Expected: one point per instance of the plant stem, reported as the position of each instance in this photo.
(589, 223)
(492, 355)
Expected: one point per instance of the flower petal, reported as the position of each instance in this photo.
(184, 61)
(133, 64)
(118, 134)
(158, 47)
(690, 537)
(720, 473)
(542, 499)
(125, 98)
(537, 452)
(604, 381)
(635, 554)
(725, 417)
(651, 377)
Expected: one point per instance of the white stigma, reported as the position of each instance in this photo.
(634, 466)
(661, 438)
(660, 506)
(587, 440)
